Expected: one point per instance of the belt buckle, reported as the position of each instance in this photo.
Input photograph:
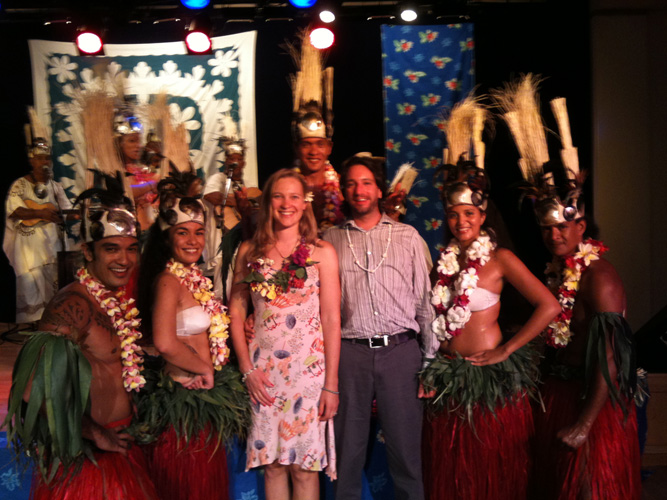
(382, 341)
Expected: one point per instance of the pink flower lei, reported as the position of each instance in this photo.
(201, 289)
(563, 276)
(291, 275)
(451, 294)
(333, 199)
(123, 315)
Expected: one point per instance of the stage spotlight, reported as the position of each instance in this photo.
(195, 4)
(302, 4)
(197, 40)
(408, 12)
(327, 16)
(321, 38)
(88, 41)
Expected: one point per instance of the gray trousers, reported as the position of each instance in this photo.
(390, 375)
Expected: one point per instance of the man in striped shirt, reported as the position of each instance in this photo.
(385, 309)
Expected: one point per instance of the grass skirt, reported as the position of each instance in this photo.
(185, 430)
(606, 466)
(194, 469)
(115, 477)
(478, 444)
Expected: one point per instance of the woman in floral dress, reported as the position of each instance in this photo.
(291, 366)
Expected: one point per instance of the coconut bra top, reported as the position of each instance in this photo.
(482, 299)
(192, 321)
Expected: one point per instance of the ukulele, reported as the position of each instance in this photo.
(33, 205)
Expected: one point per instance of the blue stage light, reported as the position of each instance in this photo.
(195, 4)
(303, 4)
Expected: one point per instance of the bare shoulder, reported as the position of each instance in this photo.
(324, 250)
(244, 249)
(507, 260)
(242, 257)
(602, 288)
(167, 279)
(73, 312)
(69, 311)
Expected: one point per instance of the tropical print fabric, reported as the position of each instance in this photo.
(426, 70)
(289, 348)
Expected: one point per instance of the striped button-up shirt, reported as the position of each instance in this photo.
(383, 296)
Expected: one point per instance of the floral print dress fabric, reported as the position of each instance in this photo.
(289, 348)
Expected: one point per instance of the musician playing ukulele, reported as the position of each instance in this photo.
(33, 235)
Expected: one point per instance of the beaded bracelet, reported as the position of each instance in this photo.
(245, 375)
(329, 390)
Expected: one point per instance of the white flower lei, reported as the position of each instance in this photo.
(451, 294)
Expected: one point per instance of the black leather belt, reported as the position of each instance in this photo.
(384, 340)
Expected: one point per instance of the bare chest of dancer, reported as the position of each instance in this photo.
(481, 332)
(100, 344)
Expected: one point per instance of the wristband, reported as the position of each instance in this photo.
(245, 375)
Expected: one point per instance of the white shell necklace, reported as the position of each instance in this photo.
(356, 259)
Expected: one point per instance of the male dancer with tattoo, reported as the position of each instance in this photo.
(70, 402)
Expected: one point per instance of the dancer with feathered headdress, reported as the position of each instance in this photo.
(586, 436)
(479, 384)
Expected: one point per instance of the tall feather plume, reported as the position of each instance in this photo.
(38, 128)
(463, 131)
(312, 83)
(175, 145)
(519, 103)
(569, 155)
(307, 82)
(98, 118)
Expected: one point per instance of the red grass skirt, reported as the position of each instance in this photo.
(488, 461)
(188, 470)
(115, 477)
(606, 466)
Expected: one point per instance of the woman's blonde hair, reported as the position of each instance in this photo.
(264, 239)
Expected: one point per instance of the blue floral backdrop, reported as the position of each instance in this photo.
(426, 70)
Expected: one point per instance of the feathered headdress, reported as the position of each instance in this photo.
(107, 212)
(173, 137)
(519, 102)
(232, 145)
(36, 136)
(180, 201)
(312, 91)
(465, 182)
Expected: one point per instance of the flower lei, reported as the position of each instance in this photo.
(451, 294)
(333, 200)
(563, 276)
(123, 315)
(201, 289)
(292, 274)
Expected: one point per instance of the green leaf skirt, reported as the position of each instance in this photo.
(224, 410)
(461, 387)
